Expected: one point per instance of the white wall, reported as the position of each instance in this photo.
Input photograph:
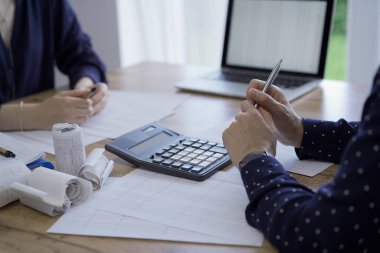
(363, 36)
(98, 19)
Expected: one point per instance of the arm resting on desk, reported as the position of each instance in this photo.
(325, 140)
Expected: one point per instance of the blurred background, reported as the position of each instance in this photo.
(127, 32)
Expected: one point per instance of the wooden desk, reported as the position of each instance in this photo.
(24, 230)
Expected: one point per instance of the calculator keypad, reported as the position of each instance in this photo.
(190, 154)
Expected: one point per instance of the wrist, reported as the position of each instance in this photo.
(30, 116)
(299, 133)
(250, 157)
(84, 82)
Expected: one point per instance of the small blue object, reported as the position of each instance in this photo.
(40, 162)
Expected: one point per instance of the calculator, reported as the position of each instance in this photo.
(159, 149)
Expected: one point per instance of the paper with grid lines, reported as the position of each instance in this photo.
(211, 211)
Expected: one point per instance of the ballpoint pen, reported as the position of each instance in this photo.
(7, 153)
(271, 78)
(91, 92)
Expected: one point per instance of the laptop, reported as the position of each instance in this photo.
(259, 33)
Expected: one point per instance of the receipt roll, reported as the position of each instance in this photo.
(68, 147)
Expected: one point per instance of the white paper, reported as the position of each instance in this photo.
(23, 150)
(214, 207)
(69, 148)
(97, 168)
(43, 140)
(288, 158)
(124, 112)
(52, 192)
(11, 170)
(84, 220)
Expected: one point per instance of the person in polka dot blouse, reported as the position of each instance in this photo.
(341, 216)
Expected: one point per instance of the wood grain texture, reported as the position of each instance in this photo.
(24, 230)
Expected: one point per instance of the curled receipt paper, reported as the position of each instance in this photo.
(97, 168)
(52, 192)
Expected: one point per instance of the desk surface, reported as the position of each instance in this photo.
(24, 230)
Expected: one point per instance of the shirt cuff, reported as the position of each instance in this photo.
(89, 71)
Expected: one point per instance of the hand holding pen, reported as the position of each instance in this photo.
(271, 78)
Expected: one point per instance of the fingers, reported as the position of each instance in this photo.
(74, 93)
(100, 98)
(246, 106)
(266, 101)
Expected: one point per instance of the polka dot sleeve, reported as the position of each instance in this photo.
(325, 141)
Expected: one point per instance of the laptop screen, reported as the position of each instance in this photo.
(260, 32)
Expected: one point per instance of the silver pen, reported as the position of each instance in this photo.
(271, 78)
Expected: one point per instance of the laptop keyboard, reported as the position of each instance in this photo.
(282, 82)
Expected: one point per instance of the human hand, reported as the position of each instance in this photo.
(287, 122)
(252, 131)
(100, 98)
(66, 106)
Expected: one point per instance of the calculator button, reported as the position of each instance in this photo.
(195, 161)
(175, 157)
(183, 153)
(218, 150)
(196, 169)
(192, 139)
(192, 155)
(198, 151)
(180, 147)
(166, 148)
(208, 153)
(157, 160)
(185, 159)
(167, 162)
(176, 165)
(166, 155)
(196, 145)
(201, 157)
(211, 159)
(173, 145)
(220, 145)
(205, 147)
(173, 151)
(189, 149)
(202, 142)
(186, 167)
(187, 143)
(160, 152)
(217, 155)
(204, 164)
(213, 144)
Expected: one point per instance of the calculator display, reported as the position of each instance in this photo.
(153, 141)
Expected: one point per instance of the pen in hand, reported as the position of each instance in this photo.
(91, 92)
(271, 78)
(7, 153)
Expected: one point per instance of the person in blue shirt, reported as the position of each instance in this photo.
(36, 35)
(341, 216)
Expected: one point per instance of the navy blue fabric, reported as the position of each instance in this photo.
(45, 33)
(343, 215)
